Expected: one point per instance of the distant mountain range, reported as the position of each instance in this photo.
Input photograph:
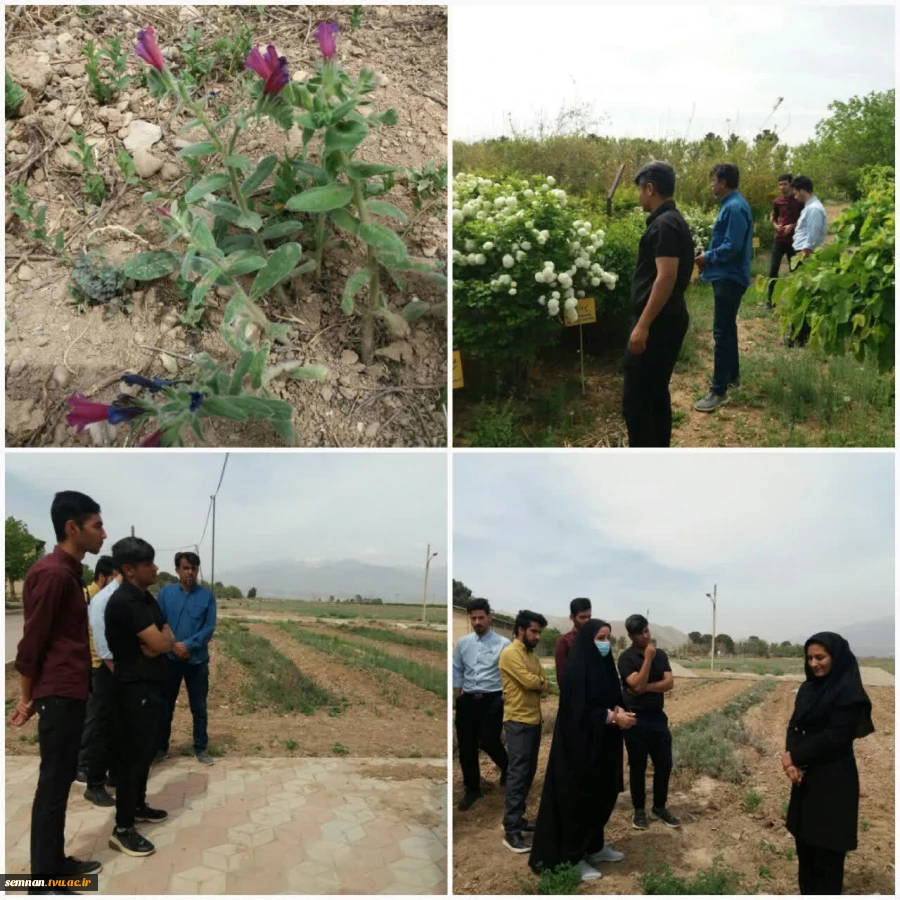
(872, 638)
(295, 579)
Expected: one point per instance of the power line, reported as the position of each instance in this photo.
(223, 474)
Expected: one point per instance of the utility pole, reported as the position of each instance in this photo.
(132, 530)
(213, 564)
(429, 556)
(712, 652)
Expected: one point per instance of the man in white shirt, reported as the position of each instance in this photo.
(812, 226)
(101, 750)
(478, 691)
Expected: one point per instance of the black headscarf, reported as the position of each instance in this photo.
(584, 771)
(842, 687)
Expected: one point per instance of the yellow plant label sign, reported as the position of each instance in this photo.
(756, 243)
(457, 370)
(587, 312)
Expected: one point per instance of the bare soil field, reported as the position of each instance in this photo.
(715, 821)
(54, 351)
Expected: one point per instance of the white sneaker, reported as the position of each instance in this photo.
(607, 854)
(587, 871)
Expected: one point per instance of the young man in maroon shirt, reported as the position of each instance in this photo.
(580, 614)
(786, 210)
(54, 665)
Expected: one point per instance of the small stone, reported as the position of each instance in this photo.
(327, 392)
(400, 351)
(372, 430)
(142, 135)
(26, 273)
(45, 45)
(443, 127)
(68, 163)
(61, 376)
(188, 14)
(52, 107)
(65, 43)
(300, 76)
(170, 364)
(349, 357)
(170, 321)
(17, 367)
(180, 143)
(145, 163)
(170, 172)
(26, 107)
(138, 337)
(74, 70)
(31, 71)
(121, 106)
(102, 433)
(381, 80)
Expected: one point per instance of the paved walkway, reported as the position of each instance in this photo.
(263, 826)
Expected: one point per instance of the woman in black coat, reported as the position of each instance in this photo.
(584, 771)
(832, 710)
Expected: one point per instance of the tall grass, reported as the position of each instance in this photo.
(717, 879)
(275, 682)
(429, 678)
(398, 637)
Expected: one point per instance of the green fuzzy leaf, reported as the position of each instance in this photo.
(321, 199)
(398, 324)
(239, 162)
(222, 209)
(279, 267)
(340, 111)
(241, 263)
(345, 221)
(237, 242)
(258, 366)
(281, 229)
(303, 268)
(240, 370)
(224, 407)
(355, 283)
(263, 171)
(290, 369)
(317, 173)
(152, 265)
(361, 170)
(346, 135)
(383, 208)
(382, 238)
(414, 310)
(203, 148)
(201, 235)
(250, 220)
(206, 186)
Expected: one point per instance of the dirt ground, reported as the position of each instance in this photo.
(53, 351)
(715, 822)
(385, 716)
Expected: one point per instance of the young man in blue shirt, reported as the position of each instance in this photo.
(190, 610)
(726, 264)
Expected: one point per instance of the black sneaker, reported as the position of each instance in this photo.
(515, 842)
(81, 776)
(111, 781)
(98, 796)
(72, 866)
(639, 820)
(528, 825)
(130, 842)
(148, 814)
(665, 817)
(468, 800)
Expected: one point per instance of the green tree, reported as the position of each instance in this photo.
(724, 644)
(695, 637)
(23, 550)
(251, 594)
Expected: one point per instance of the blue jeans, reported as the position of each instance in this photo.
(196, 678)
(726, 365)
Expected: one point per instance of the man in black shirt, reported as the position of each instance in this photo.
(646, 676)
(659, 314)
(139, 640)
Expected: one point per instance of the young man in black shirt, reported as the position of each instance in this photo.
(659, 314)
(139, 639)
(646, 676)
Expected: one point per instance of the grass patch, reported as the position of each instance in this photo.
(398, 637)
(275, 682)
(560, 880)
(751, 665)
(708, 745)
(717, 879)
(394, 612)
(752, 800)
(339, 750)
(429, 678)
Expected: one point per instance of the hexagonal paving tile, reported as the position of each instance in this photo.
(423, 848)
(270, 816)
(199, 880)
(417, 872)
(251, 834)
(226, 857)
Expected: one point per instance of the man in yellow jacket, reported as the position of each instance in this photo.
(524, 683)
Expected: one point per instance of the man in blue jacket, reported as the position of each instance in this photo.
(727, 265)
(190, 610)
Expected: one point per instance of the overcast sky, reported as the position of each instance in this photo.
(797, 542)
(380, 508)
(645, 67)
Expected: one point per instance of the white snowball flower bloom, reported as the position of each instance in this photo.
(488, 245)
(571, 303)
(481, 215)
(480, 259)
(529, 223)
(457, 216)
(565, 280)
(555, 295)
(508, 262)
(551, 180)
(553, 307)
(470, 245)
(529, 193)
(473, 259)
(571, 316)
(595, 282)
(520, 255)
(548, 264)
(500, 201)
(580, 294)
(583, 232)
(545, 187)
(542, 300)
(512, 292)
(526, 245)
(539, 277)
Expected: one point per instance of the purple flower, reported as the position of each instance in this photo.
(152, 440)
(196, 400)
(271, 67)
(84, 412)
(147, 49)
(152, 384)
(325, 32)
(122, 410)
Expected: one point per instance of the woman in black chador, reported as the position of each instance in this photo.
(832, 710)
(584, 772)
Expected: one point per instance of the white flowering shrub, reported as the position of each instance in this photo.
(700, 221)
(523, 254)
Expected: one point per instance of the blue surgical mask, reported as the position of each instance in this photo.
(603, 647)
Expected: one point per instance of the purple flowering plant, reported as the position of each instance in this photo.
(232, 223)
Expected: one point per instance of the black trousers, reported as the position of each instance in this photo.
(98, 739)
(821, 870)
(139, 706)
(59, 733)
(779, 252)
(523, 742)
(650, 737)
(646, 403)
(479, 724)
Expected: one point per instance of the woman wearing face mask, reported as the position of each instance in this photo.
(584, 772)
(832, 710)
